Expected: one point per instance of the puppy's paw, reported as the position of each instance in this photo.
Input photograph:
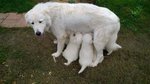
(56, 54)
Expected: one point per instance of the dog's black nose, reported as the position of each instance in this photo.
(38, 33)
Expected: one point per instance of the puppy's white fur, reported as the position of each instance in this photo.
(86, 53)
(72, 50)
(63, 17)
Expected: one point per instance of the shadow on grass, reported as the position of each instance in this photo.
(26, 59)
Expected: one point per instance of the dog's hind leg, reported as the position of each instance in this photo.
(112, 45)
(113, 48)
(99, 58)
(99, 44)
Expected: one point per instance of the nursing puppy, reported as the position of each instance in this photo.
(86, 55)
(71, 52)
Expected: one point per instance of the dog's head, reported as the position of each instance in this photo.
(87, 38)
(40, 21)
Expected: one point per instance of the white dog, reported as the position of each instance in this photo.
(72, 51)
(63, 17)
(86, 53)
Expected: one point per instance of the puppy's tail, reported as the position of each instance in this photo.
(82, 69)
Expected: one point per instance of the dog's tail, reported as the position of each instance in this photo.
(82, 69)
(116, 47)
(112, 48)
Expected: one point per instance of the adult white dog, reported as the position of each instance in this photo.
(63, 17)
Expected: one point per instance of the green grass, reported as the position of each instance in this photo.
(25, 59)
(134, 14)
(16, 5)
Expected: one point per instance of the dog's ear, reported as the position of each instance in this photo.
(49, 21)
(26, 16)
(48, 18)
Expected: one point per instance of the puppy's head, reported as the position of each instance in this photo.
(39, 21)
(76, 38)
(87, 38)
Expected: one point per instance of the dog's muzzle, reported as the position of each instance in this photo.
(38, 33)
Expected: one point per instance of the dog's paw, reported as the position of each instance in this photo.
(56, 54)
(66, 64)
(54, 59)
(109, 52)
(101, 59)
(94, 64)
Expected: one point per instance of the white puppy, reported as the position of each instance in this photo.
(86, 53)
(71, 52)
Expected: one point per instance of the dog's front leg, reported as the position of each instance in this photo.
(60, 47)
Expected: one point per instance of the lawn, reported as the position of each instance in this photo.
(16, 5)
(26, 59)
(133, 14)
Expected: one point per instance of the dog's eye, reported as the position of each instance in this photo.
(40, 21)
(32, 23)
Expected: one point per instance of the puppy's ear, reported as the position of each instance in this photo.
(71, 37)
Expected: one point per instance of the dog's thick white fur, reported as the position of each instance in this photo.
(86, 54)
(63, 17)
(72, 51)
